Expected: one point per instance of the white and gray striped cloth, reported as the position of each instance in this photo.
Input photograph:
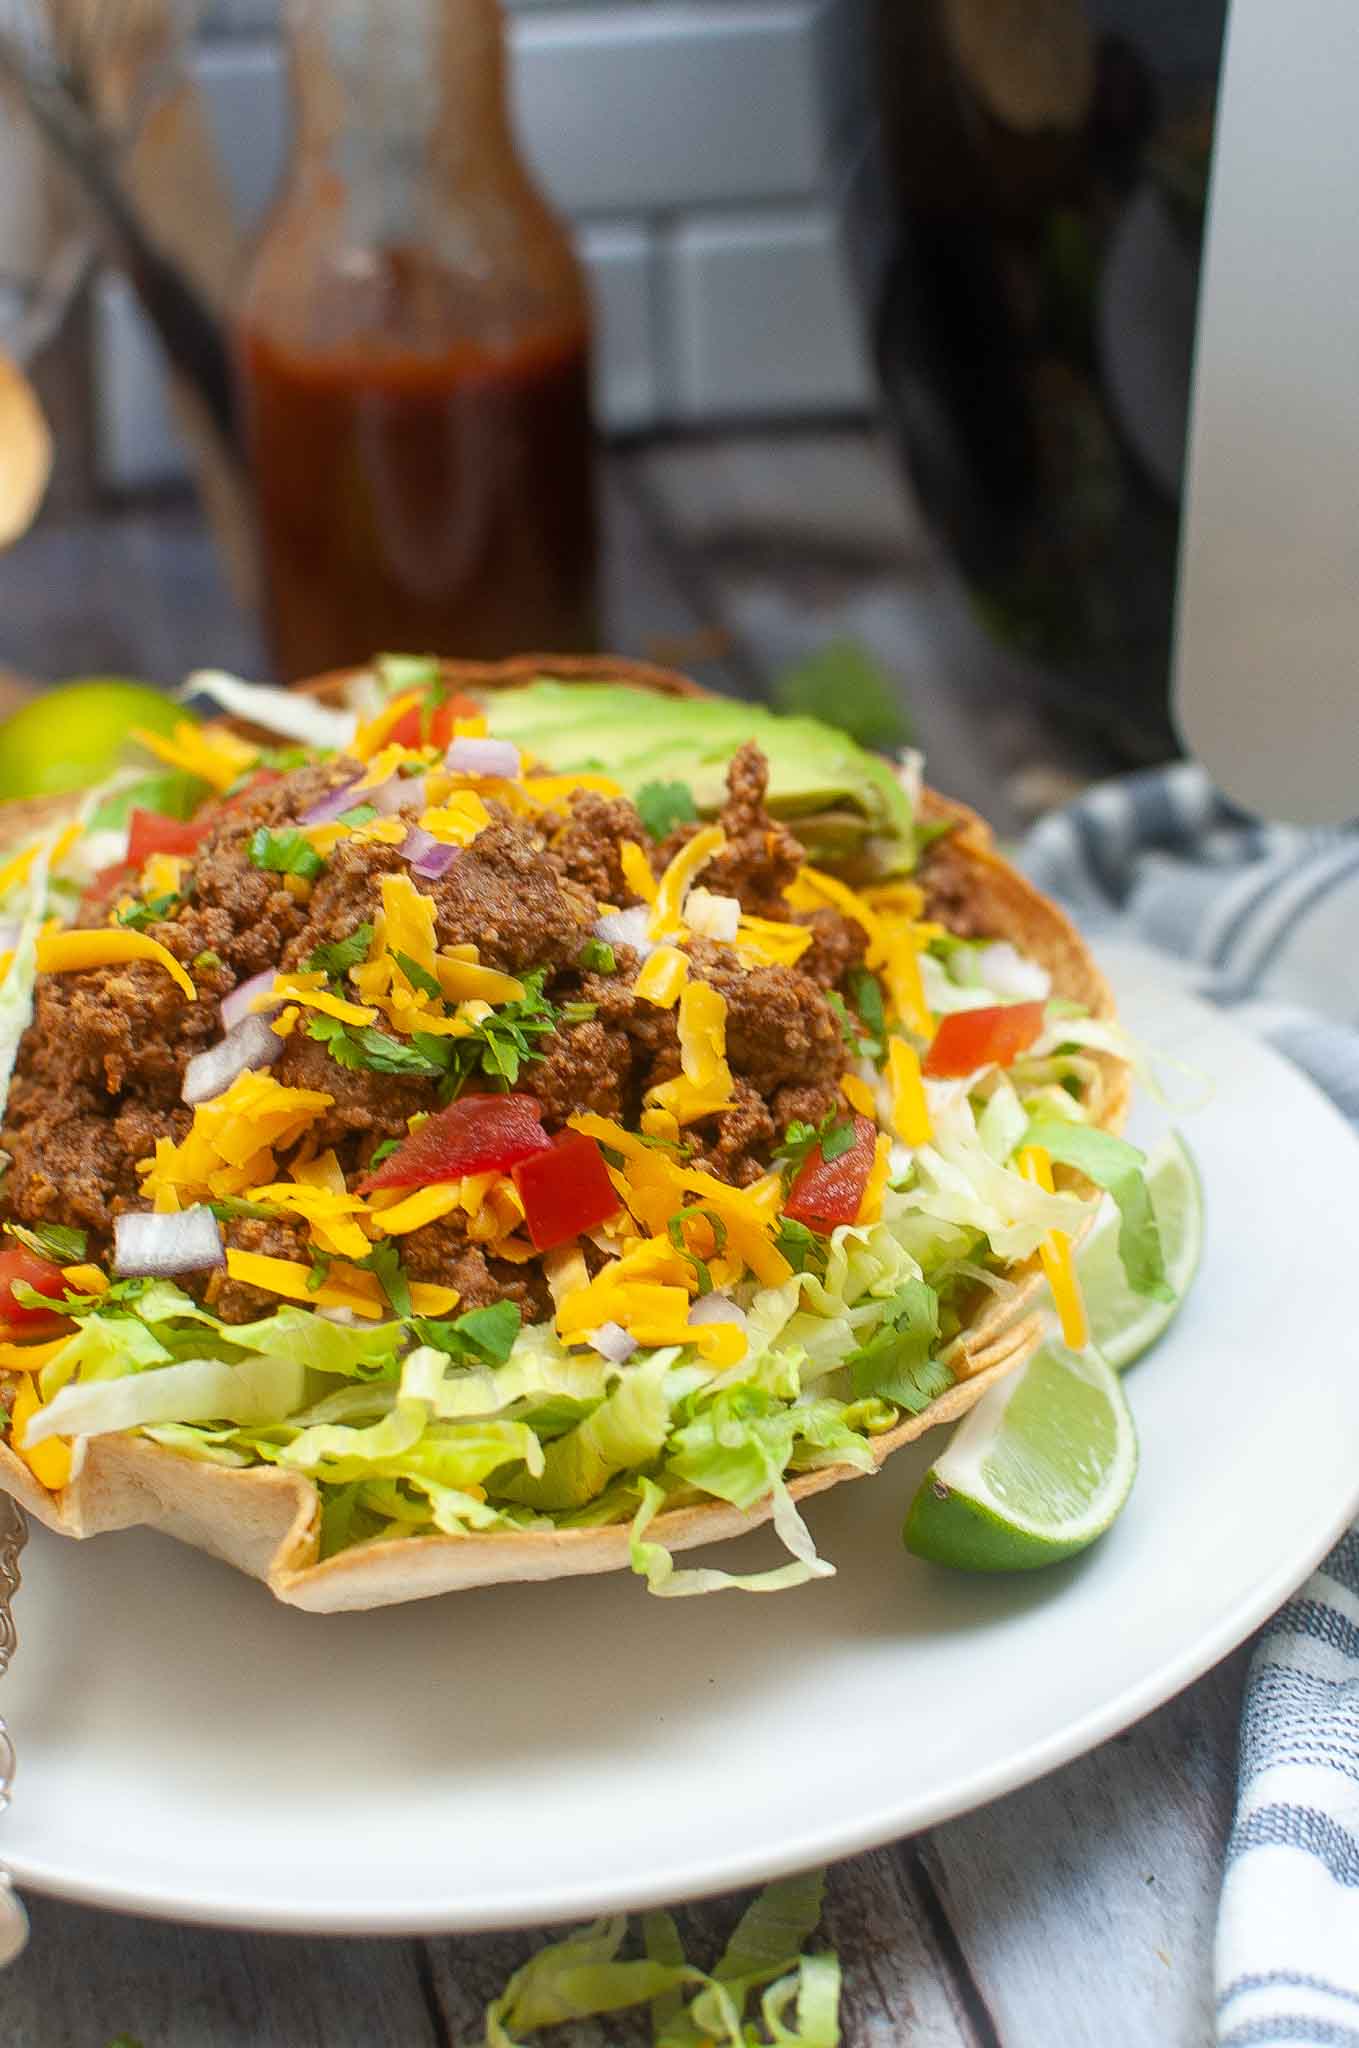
(1265, 918)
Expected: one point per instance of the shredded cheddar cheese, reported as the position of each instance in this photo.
(1055, 1252)
(213, 754)
(50, 1461)
(910, 1110)
(71, 952)
(458, 820)
(371, 737)
(637, 871)
(662, 977)
(667, 911)
(858, 1095)
(765, 941)
(705, 1084)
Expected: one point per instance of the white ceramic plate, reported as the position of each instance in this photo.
(531, 1753)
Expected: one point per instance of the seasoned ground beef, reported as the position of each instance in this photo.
(761, 856)
(950, 892)
(441, 1252)
(100, 1072)
(589, 1066)
(586, 847)
(838, 947)
(367, 1107)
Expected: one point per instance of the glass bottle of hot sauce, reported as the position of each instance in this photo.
(413, 341)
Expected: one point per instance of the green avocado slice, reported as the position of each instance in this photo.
(846, 805)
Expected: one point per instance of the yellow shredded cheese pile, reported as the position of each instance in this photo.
(894, 938)
(213, 754)
(231, 1143)
(1055, 1251)
(705, 1084)
(662, 977)
(910, 1110)
(72, 952)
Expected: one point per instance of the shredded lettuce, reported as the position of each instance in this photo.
(586, 1975)
(1115, 1165)
(199, 1390)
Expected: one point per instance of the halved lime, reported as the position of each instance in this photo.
(73, 735)
(1036, 1472)
(1124, 1324)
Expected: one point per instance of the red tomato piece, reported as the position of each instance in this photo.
(475, 1134)
(105, 880)
(968, 1039)
(422, 726)
(17, 1262)
(151, 833)
(828, 1191)
(565, 1190)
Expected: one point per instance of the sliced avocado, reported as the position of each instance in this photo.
(845, 804)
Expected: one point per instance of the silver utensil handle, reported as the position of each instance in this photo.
(13, 1536)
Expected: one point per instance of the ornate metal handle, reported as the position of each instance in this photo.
(13, 1536)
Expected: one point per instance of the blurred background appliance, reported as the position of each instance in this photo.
(1030, 237)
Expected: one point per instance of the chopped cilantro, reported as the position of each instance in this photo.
(479, 1334)
(60, 1241)
(155, 910)
(675, 1227)
(895, 1363)
(320, 1272)
(863, 1047)
(577, 1013)
(501, 1043)
(833, 1134)
(385, 1261)
(418, 976)
(837, 1140)
(384, 1151)
(227, 1207)
(285, 853)
(803, 1249)
(663, 805)
(365, 1047)
(361, 814)
(336, 959)
(866, 990)
(598, 957)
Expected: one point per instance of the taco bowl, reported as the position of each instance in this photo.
(269, 1495)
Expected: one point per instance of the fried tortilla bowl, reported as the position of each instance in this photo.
(266, 1520)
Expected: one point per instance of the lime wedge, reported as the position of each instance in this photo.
(1124, 1324)
(1036, 1472)
(72, 736)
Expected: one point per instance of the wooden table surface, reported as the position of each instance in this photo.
(1077, 1913)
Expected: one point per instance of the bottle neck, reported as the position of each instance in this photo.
(399, 104)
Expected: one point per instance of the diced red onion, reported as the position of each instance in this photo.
(626, 928)
(717, 1308)
(612, 1341)
(162, 1246)
(236, 1006)
(252, 1044)
(427, 855)
(483, 757)
(327, 808)
(397, 793)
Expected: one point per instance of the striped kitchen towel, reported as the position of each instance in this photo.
(1264, 919)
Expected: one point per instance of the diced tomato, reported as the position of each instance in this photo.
(476, 1134)
(17, 1262)
(968, 1039)
(107, 879)
(421, 726)
(565, 1190)
(150, 833)
(828, 1191)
